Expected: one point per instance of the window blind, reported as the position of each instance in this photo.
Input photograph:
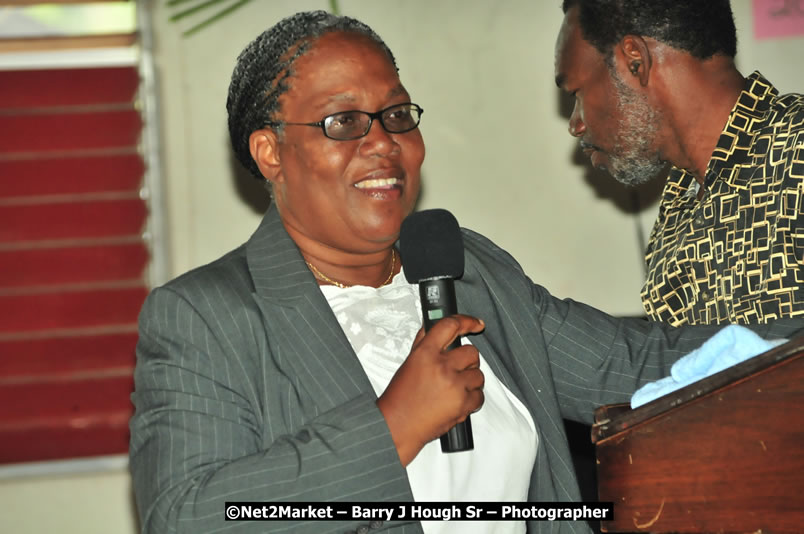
(72, 260)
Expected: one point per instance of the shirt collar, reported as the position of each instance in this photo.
(751, 108)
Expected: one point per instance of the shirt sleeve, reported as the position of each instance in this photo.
(599, 359)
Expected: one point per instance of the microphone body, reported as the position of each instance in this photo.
(431, 247)
(438, 301)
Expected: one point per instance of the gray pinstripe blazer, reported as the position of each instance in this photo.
(248, 390)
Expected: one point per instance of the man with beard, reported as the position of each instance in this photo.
(654, 82)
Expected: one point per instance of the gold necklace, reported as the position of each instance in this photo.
(324, 278)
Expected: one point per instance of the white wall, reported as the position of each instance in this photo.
(94, 502)
(499, 157)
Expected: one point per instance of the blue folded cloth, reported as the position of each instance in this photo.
(730, 346)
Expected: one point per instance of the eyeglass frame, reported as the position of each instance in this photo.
(376, 115)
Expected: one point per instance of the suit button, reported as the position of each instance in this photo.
(375, 524)
(362, 530)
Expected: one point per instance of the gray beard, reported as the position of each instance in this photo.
(633, 160)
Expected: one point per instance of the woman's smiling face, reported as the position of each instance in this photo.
(348, 195)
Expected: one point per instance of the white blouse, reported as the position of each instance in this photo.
(381, 324)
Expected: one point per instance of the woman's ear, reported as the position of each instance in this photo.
(633, 51)
(264, 148)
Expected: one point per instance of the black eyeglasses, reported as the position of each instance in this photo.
(354, 124)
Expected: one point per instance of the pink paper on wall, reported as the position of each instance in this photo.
(778, 18)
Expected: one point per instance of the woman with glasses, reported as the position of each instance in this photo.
(295, 368)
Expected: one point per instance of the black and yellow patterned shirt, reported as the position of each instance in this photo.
(736, 255)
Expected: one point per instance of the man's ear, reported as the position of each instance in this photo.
(633, 53)
(264, 147)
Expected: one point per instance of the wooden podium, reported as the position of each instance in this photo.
(722, 455)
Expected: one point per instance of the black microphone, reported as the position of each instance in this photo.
(431, 247)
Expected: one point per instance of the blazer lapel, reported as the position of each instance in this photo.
(473, 299)
(514, 331)
(306, 338)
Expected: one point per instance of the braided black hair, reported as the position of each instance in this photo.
(701, 27)
(264, 67)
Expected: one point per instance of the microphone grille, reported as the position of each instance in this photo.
(431, 246)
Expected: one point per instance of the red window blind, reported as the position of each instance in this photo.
(72, 260)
